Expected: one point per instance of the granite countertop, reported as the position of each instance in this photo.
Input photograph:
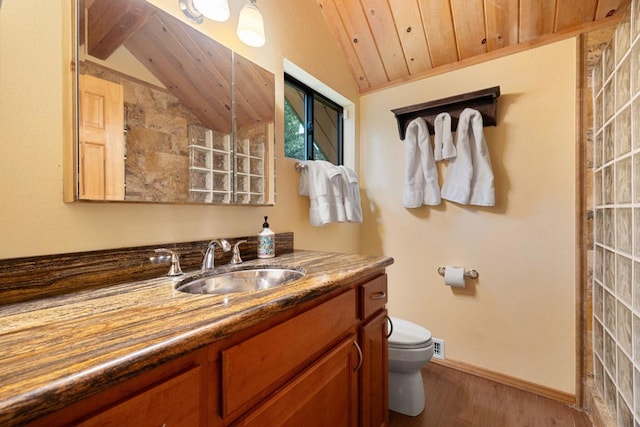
(57, 350)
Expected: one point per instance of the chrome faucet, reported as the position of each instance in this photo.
(173, 257)
(235, 259)
(209, 259)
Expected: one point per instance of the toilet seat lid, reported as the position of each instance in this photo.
(406, 334)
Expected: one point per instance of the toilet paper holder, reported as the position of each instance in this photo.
(472, 274)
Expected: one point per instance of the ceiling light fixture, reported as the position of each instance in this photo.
(250, 24)
(217, 10)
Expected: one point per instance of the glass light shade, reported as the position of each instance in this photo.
(217, 10)
(250, 26)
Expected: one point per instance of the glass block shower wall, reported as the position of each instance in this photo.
(616, 275)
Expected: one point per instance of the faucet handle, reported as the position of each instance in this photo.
(235, 259)
(226, 247)
(174, 269)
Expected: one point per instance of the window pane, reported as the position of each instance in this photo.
(294, 145)
(318, 154)
(325, 131)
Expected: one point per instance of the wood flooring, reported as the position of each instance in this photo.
(457, 399)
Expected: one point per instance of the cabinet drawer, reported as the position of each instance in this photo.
(256, 367)
(373, 296)
(173, 402)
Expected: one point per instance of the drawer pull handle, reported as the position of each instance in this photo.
(390, 326)
(378, 295)
(355, 343)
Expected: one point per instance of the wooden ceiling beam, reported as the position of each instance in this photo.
(111, 22)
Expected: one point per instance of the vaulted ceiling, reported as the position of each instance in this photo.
(392, 41)
(183, 59)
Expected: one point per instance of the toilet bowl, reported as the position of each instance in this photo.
(410, 348)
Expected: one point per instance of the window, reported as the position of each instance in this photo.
(312, 124)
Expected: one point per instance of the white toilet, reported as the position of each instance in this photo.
(410, 348)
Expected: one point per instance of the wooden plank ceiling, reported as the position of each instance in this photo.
(192, 66)
(392, 41)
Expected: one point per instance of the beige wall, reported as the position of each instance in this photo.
(33, 43)
(518, 319)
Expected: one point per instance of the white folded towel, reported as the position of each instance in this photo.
(351, 194)
(321, 181)
(421, 176)
(469, 175)
(443, 140)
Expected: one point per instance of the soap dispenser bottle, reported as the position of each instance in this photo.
(266, 241)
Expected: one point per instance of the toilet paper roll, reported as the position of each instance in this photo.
(454, 276)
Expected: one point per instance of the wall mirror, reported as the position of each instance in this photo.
(166, 114)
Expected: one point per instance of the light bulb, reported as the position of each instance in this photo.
(250, 26)
(217, 10)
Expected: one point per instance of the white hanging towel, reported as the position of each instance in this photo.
(443, 140)
(321, 181)
(469, 175)
(420, 174)
(351, 194)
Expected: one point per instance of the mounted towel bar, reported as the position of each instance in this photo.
(485, 101)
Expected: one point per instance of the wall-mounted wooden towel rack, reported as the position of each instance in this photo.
(485, 101)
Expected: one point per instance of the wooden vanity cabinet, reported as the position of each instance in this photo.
(324, 366)
(374, 405)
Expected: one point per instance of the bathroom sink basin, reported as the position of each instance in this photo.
(245, 280)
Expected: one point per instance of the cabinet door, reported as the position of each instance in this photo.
(326, 394)
(174, 402)
(374, 381)
(255, 368)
